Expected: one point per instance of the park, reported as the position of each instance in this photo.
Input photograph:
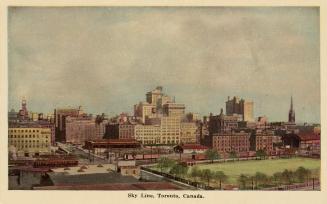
(269, 166)
(245, 174)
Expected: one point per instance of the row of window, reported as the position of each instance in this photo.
(21, 130)
(23, 141)
(27, 136)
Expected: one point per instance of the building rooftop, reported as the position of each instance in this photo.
(116, 186)
(194, 146)
(309, 136)
(110, 177)
(87, 169)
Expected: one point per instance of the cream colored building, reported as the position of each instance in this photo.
(33, 116)
(147, 134)
(30, 141)
(145, 110)
(170, 130)
(174, 110)
(188, 132)
(248, 111)
(126, 130)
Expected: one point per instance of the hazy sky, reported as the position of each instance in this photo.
(106, 59)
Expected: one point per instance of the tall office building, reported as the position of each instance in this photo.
(144, 110)
(60, 116)
(240, 107)
(79, 129)
(174, 109)
(157, 97)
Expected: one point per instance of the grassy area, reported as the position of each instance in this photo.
(269, 167)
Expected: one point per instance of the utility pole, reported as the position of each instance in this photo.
(313, 183)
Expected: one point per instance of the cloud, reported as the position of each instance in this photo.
(106, 59)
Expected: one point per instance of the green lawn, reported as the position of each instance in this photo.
(269, 167)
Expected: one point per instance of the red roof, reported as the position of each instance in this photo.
(309, 136)
(194, 146)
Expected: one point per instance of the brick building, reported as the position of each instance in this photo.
(60, 121)
(79, 129)
(231, 141)
(264, 140)
(127, 130)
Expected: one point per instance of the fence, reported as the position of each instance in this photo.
(313, 185)
(182, 180)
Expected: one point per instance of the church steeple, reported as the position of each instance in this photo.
(291, 114)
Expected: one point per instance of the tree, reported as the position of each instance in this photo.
(242, 180)
(212, 154)
(232, 155)
(261, 153)
(277, 178)
(195, 172)
(207, 175)
(288, 176)
(179, 170)
(260, 178)
(302, 174)
(165, 163)
(221, 177)
(178, 149)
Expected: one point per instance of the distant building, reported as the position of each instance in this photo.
(30, 141)
(188, 132)
(309, 144)
(127, 130)
(170, 130)
(145, 110)
(23, 113)
(13, 116)
(264, 140)
(223, 123)
(262, 123)
(161, 120)
(291, 113)
(60, 121)
(79, 129)
(174, 110)
(219, 124)
(192, 117)
(33, 116)
(36, 124)
(240, 107)
(232, 141)
(111, 131)
(157, 98)
(193, 148)
(100, 126)
(147, 134)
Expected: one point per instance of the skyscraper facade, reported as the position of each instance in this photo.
(244, 108)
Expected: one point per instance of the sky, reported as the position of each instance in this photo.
(106, 58)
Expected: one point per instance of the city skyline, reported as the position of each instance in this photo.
(75, 56)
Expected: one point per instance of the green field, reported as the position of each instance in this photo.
(269, 167)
